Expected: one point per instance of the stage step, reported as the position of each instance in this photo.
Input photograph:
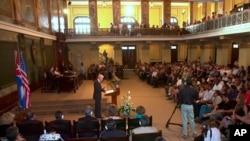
(67, 106)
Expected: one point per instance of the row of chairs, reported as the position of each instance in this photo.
(135, 137)
(78, 129)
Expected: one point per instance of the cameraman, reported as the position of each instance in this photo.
(187, 96)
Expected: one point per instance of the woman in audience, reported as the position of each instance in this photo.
(112, 112)
(140, 111)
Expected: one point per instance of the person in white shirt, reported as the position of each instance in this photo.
(213, 133)
(50, 135)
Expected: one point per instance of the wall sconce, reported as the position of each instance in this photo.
(183, 11)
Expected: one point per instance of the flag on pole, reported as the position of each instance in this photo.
(22, 82)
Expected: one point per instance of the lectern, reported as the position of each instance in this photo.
(113, 94)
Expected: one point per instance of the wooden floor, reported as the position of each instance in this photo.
(153, 99)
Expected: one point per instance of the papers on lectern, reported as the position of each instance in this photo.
(109, 91)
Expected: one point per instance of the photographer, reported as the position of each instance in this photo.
(187, 96)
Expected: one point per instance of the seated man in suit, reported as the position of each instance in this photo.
(87, 123)
(61, 125)
(30, 118)
(144, 126)
(110, 130)
(88, 114)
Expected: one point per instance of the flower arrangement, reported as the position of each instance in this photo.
(127, 107)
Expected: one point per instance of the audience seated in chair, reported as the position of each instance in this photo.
(6, 120)
(145, 127)
(140, 111)
(134, 123)
(62, 126)
(225, 108)
(120, 124)
(207, 108)
(87, 126)
(112, 112)
(31, 128)
(50, 135)
(12, 134)
(111, 131)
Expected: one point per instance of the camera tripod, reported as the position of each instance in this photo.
(168, 122)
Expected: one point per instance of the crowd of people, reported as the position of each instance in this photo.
(206, 90)
(52, 130)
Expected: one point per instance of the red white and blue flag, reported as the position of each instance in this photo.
(22, 82)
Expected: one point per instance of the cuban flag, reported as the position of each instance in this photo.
(22, 82)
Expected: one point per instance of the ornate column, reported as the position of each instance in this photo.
(222, 47)
(191, 20)
(94, 50)
(145, 12)
(166, 11)
(17, 12)
(93, 16)
(204, 9)
(244, 51)
(166, 52)
(145, 56)
(116, 12)
(118, 52)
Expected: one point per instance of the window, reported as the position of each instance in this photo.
(235, 45)
(82, 25)
(173, 21)
(128, 21)
(128, 47)
(173, 47)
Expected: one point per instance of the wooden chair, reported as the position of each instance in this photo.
(86, 128)
(146, 136)
(125, 138)
(120, 124)
(82, 139)
(31, 131)
(134, 123)
(63, 127)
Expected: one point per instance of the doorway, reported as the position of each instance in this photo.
(128, 57)
(235, 53)
(174, 53)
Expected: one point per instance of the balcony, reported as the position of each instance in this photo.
(233, 24)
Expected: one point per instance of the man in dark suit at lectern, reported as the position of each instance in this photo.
(98, 89)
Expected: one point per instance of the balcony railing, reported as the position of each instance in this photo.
(123, 32)
(225, 21)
